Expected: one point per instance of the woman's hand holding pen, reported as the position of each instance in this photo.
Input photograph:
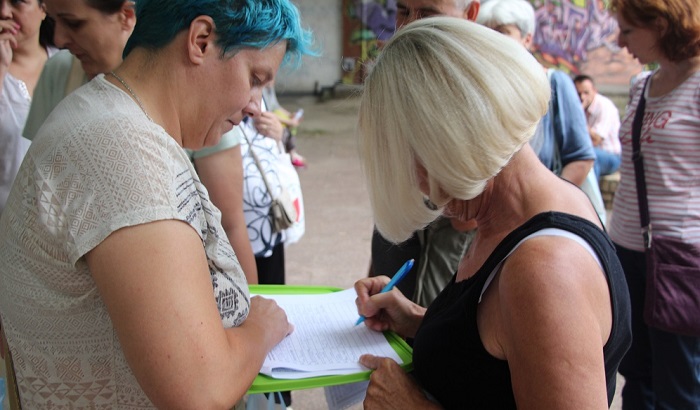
(389, 310)
(390, 387)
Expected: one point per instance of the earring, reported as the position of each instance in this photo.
(429, 204)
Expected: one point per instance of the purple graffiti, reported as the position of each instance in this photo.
(566, 32)
(378, 16)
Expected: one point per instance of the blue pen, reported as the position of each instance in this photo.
(400, 274)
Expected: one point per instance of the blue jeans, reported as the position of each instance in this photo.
(661, 369)
(605, 162)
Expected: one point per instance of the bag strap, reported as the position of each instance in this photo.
(557, 165)
(638, 161)
(257, 163)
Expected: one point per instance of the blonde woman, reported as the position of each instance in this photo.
(537, 315)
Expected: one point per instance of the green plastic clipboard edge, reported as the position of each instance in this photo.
(266, 384)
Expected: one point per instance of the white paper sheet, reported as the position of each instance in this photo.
(325, 340)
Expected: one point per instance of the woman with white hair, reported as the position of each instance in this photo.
(537, 315)
(562, 141)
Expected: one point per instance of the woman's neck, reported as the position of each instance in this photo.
(27, 63)
(29, 49)
(152, 84)
(672, 74)
(509, 199)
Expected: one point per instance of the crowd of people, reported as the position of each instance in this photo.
(126, 255)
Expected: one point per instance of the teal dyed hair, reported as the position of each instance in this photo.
(240, 24)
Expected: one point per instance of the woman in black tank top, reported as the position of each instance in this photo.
(537, 314)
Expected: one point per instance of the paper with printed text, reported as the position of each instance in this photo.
(325, 340)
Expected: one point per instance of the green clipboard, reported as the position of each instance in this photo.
(266, 384)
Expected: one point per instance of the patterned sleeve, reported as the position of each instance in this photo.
(106, 176)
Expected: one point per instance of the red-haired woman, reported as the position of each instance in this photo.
(662, 368)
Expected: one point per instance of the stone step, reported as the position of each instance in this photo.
(608, 186)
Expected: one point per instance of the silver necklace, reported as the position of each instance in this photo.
(136, 98)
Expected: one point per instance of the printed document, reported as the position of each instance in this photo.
(325, 340)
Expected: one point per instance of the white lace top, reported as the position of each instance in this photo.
(97, 165)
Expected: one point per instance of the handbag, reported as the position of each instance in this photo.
(282, 211)
(672, 295)
(289, 178)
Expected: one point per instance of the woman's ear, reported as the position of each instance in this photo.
(527, 41)
(422, 177)
(128, 16)
(200, 39)
(661, 25)
(472, 10)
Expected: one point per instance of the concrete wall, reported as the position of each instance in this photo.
(324, 18)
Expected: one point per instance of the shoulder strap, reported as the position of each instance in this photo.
(561, 232)
(638, 161)
(591, 233)
(257, 163)
(557, 165)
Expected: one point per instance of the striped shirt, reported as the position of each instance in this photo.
(670, 144)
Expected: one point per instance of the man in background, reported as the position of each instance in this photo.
(603, 120)
(412, 10)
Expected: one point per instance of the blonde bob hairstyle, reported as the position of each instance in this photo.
(454, 97)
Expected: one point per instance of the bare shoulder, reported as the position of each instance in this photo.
(552, 288)
(551, 306)
(554, 260)
(547, 313)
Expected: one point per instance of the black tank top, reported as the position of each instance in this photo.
(451, 363)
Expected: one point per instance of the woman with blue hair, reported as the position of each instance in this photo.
(117, 280)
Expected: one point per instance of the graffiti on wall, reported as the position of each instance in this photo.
(566, 30)
(581, 36)
(572, 35)
(366, 24)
